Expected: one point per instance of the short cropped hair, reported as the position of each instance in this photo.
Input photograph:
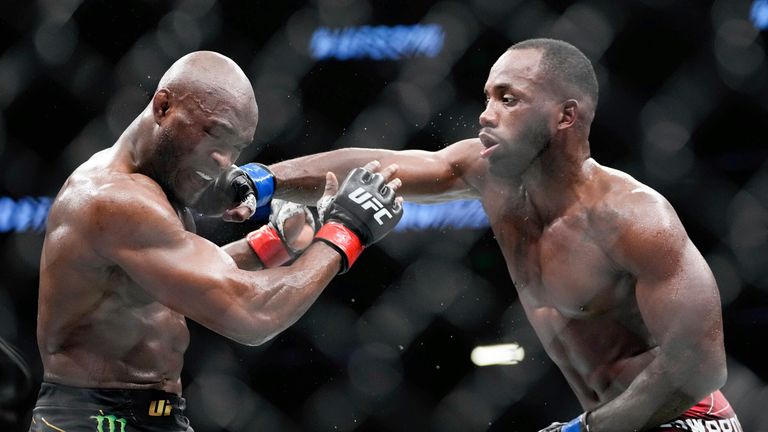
(564, 64)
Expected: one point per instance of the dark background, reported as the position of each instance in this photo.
(386, 347)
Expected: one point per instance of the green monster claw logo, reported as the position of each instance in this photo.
(111, 420)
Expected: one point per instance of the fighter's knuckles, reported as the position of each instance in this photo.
(389, 171)
(395, 184)
(372, 165)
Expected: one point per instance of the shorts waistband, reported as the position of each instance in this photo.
(140, 403)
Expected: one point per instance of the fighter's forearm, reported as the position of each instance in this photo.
(426, 176)
(243, 255)
(285, 293)
(660, 393)
(302, 179)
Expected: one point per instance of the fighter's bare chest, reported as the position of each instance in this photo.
(560, 264)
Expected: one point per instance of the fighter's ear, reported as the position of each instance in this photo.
(161, 103)
(568, 114)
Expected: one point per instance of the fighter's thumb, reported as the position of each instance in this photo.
(331, 184)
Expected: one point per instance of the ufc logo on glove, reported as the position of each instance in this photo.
(367, 201)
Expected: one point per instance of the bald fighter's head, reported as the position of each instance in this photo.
(213, 79)
(204, 114)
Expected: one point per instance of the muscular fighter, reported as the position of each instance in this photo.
(621, 299)
(121, 267)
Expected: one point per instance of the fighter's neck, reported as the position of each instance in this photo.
(554, 181)
(135, 146)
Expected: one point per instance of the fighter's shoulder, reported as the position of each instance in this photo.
(117, 197)
(637, 227)
(628, 207)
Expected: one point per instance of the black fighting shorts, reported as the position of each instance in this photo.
(62, 408)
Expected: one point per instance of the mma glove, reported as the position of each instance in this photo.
(269, 242)
(579, 424)
(361, 213)
(251, 185)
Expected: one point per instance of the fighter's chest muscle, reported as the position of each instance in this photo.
(561, 264)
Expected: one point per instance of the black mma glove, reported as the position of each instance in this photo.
(251, 185)
(361, 213)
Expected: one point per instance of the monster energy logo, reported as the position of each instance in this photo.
(111, 420)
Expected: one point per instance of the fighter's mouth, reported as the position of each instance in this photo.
(204, 176)
(489, 142)
(200, 179)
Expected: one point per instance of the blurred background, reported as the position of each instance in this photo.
(683, 108)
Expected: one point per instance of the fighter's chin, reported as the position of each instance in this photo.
(184, 194)
(503, 168)
(188, 189)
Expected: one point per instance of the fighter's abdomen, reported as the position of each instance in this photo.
(580, 304)
(122, 342)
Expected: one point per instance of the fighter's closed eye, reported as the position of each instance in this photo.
(509, 100)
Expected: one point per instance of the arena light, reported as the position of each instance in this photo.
(377, 42)
(30, 214)
(503, 354)
(759, 14)
(25, 214)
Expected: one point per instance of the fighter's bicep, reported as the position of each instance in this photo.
(674, 290)
(149, 243)
(679, 299)
(451, 173)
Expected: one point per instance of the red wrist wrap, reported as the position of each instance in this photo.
(269, 247)
(343, 240)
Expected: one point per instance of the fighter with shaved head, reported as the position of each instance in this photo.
(121, 267)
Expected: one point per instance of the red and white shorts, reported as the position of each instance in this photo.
(712, 414)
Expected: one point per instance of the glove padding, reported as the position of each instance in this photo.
(283, 210)
(272, 243)
(239, 193)
(364, 204)
(233, 188)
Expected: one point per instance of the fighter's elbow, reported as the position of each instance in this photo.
(252, 341)
(257, 331)
(718, 375)
(708, 374)
(254, 337)
(714, 367)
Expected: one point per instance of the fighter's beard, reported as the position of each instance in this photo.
(535, 136)
(166, 157)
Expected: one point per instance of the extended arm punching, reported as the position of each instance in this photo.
(450, 173)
